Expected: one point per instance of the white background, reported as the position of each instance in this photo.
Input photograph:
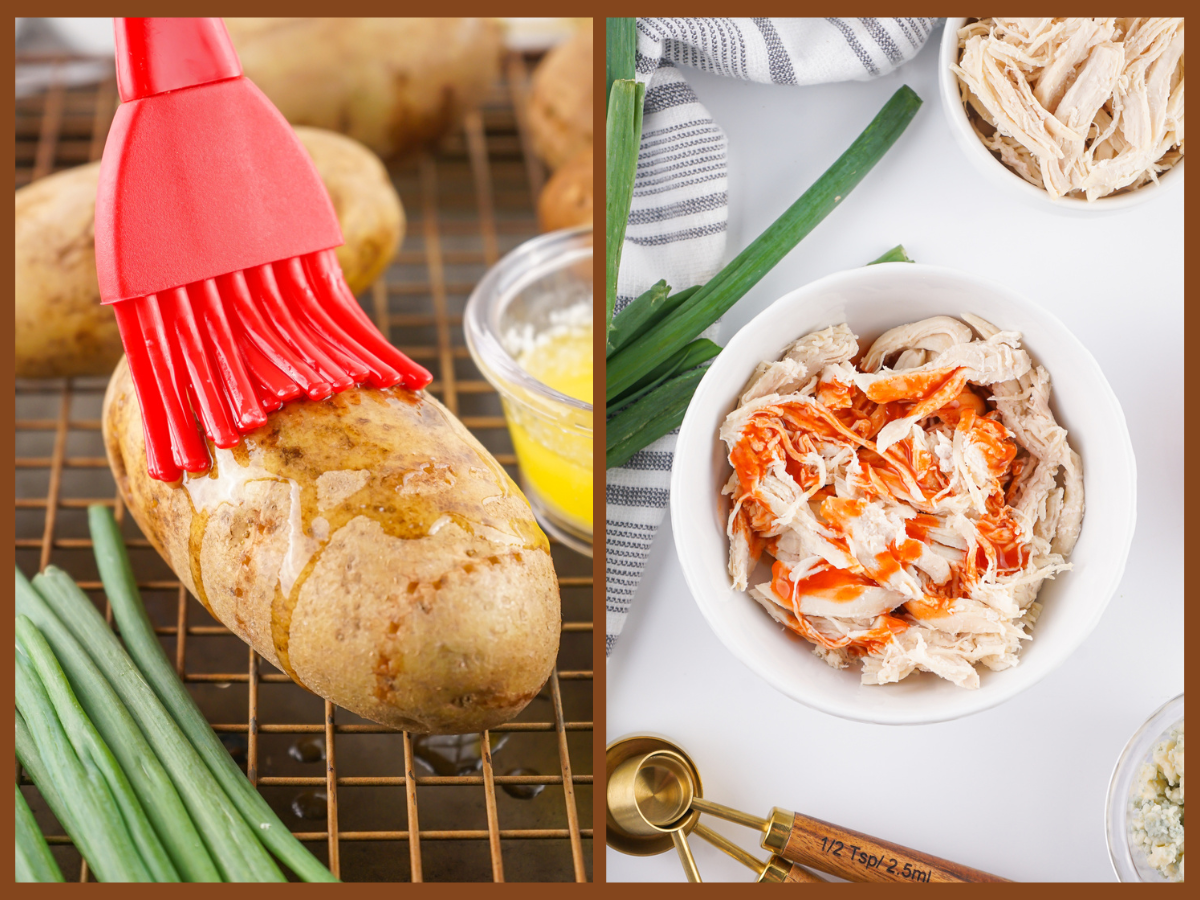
(1018, 790)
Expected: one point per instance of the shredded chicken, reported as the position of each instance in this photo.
(912, 512)
(1081, 107)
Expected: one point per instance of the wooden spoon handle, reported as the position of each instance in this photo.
(856, 856)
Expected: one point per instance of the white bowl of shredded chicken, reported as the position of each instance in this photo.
(1082, 113)
(903, 494)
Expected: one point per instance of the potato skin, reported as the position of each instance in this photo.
(566, 199)
(61, 327)
(394, 84)
(560, 103)
(367, 545)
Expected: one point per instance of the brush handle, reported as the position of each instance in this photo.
(856, 856)
(155, 55)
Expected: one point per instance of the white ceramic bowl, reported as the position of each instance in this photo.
(871, 300)
(1129, 861)
(1005, 178)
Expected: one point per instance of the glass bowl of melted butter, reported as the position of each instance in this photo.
(528, 326)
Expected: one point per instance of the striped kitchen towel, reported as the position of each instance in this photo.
(677, 220)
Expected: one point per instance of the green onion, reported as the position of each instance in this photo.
(620, 50)
(92, 750)
(93, 820)
(34, 860)
(643, 313)
(626, 332)
(147, 652)
(697, 352)
(31, 761)
(633, 316)
(622, 138)
(896, 254)
(116, 726)
(621, 443)
(729, 285)
(648, 419)
(234, 846)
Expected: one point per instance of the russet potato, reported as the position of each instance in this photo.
(566, 198)
(396, 84)
(61, 327)
(560, 102)
(367, 545)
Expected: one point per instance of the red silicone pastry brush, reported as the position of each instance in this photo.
(214, 245)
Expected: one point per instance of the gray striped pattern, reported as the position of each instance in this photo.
(853, 43)
(677, 222)
(781, 66)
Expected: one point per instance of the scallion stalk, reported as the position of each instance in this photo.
(624, 332)
(235, 848)
(620, 52)
(31, 762)
(626, 439)
(643, 313)
(698, 351)
(631, 319)
(93, 752)
(120, 732)
(145, 649)
(35, 863)
(896, 254)
(649, 418)
(715, 298)
(93, 820)
(623, 135)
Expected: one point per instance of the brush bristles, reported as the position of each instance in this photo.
(214, 357)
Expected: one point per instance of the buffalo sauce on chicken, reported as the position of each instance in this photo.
(835, 584)
(909, 475)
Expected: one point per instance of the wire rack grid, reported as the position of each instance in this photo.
(387, 806)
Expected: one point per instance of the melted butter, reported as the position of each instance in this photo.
(224, 482)
(563, 361)
(342, 460)
(301, 546)
(439, 522)
(555, 459)
(335, 487)
(195, 541)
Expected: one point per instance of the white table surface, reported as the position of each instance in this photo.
(1018, 790)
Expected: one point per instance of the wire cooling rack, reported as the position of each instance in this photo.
(373, 804)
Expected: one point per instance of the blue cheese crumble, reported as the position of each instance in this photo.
(1156, 817)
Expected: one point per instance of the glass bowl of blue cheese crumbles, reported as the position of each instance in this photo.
(1144, 815)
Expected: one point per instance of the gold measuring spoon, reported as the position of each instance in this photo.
(649, 795)
(774, 870)
(802, 839)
